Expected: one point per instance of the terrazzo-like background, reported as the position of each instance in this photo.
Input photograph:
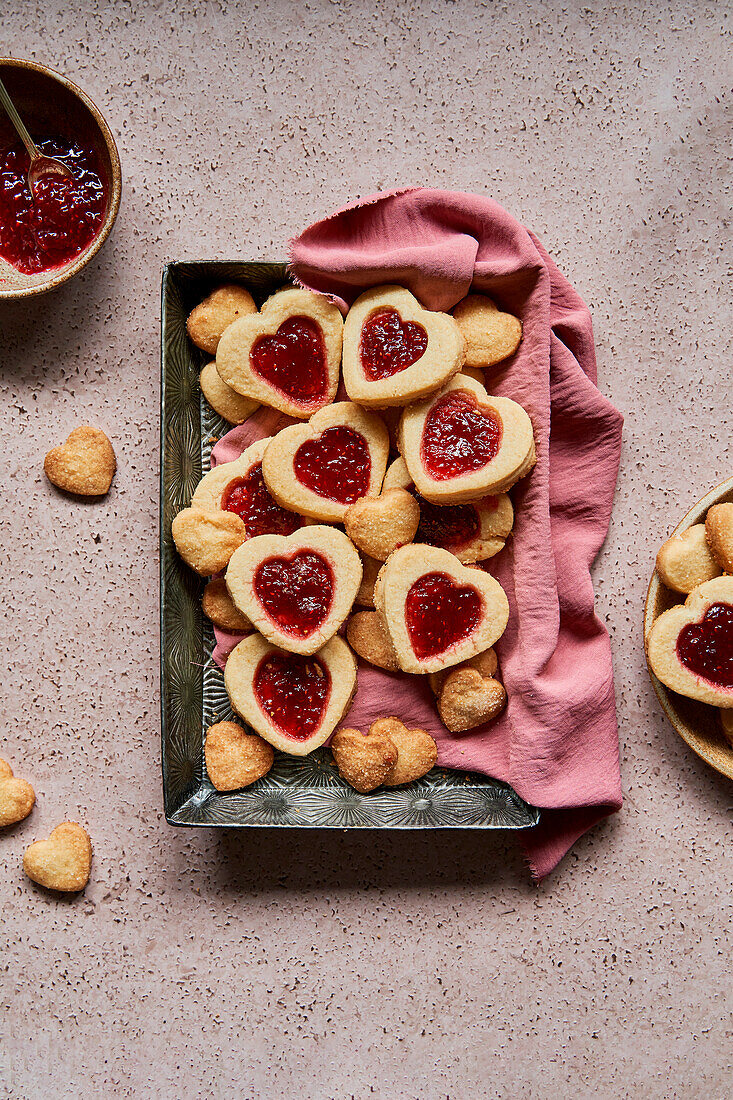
(211, 964)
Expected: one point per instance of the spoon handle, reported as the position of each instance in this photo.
(33, 150)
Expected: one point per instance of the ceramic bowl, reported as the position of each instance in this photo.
(51, 104)
(697, 723)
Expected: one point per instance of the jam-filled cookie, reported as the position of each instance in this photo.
(216, 313)
(318, 469)
(296, 589)
(685, 561)
(473, 532)
(223, 399)
(437, 611)
(395, 351)
(294, 701)
(690, 646)
(288, 355)
(461, 444)
(491, 336)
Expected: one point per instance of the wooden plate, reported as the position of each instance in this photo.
(697, 723)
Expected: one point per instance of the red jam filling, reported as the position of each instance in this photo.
(249, 497)
(296, 592)
(440, 613)
(337, 465)
(293, 360)
(459, 436)
(450, 526)
(42, 232)
(293, 692)
(389, 344)
(706, 648)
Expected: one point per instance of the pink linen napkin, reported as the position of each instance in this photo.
(557, 741)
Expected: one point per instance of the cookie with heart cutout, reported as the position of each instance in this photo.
(491, 336)
(294, 701)
(220, 309)
(297, 589)
(719, 533)
(460, 444)
(223, 399)
(473, 532)
(320, 468)
(380, 525)
(438, 612)
(286, 356)
(395, 351)
(690, 646)
(684, 561)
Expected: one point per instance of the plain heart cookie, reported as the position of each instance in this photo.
(235, 758)
(417, 751)
(223, 399)
(206, 539)
(368, 636)
(395, 351)
(467, 699)
(371, 567)
(288, 355)
(685, 561)
(219, 607)
(438, 612)
(491, 336)
(690, 646)
(380, 525)
(297, 589)
(363, 760)
(85, 464)
(17, 797)
(62, 862)
(293, 701)
(209, 319)
(719, 533)
(320, 468)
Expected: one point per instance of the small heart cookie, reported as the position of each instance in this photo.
(417, 751)
(85, 464)
(363, 760)
(17, 797)
(235, 758)
(318, 469)
(438, 612)
(461, 444)
(297, 589)
(293, 701)
(486, 663)
(223, 399)
(62, 862)
(468, 699)
(473, 532)
(380, 525)
(719, 532)
(210, 318)
(690, 646)
(395, 351)
(684, 561)
(288, 355)
(491, 336)
(371, 567)
(206, 539)
(219, 607)
(368, 637)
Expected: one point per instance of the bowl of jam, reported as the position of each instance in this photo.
(47, 237)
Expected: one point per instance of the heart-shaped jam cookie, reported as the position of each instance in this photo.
(690, 647)
(491, 336)
(286, 356)
(438, 612)
(292, 700)
(320, 468)
(461, 444)
(685, 561)
(473, 532)
(298, 589)
(62, 862)
(395, 351)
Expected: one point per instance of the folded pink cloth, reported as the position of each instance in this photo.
(557, 741)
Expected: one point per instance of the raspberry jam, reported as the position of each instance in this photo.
(296, 592)
(389, 344)
(294, 361)
(459, 436)
(706, 648)
(337, 465)
(42, 232)
(451, 526)
(250, 499)
(293, 692)
(440, 613)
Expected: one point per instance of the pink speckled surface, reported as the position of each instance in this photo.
(217, 964)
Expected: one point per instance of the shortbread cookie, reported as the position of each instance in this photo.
(318, 469)
(417, 751)
(235, 758)
(371, 567)
(395, 351)
(297, 589)
(486, 663)
(726, 721)
(223, 399)
(85, 464)
(473, 532)
(208, 320)
(461, 444)
(491, 336)
(468, 699)
(17, 797)
(206, 539)
(380, 525)
(287, 356)
(684, 561)
(62, 862)
(438, 612)
(293, 701)
(690, 647)
(367, 635)
(719, 531)
(239, 487)
(364, 760)
(218, 605)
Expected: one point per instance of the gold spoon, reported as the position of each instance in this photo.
(40, 166)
